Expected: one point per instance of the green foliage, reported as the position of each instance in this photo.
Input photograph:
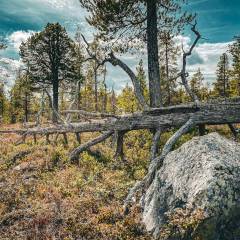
(222, 86)
(112, 19)
(21, 98)
(51, 57)
(235, 71)
(127, 101)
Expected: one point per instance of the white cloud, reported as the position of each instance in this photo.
(206, 57)
(16, 38)
(8, 70)
(61, 4)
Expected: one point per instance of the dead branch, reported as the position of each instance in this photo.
(233, 130)
(90, 114)
(184, 73)
(119, 143)
(117, 62)
(75, 153)
(65, 138)
(155, 144)
(157, 162)
(53, 108)
(78, 137)
(136, 84)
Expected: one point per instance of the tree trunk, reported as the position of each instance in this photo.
(79, 96)
(105, 91)
(167, 73)
(26, 107)
(55, 98)
(95, 87)
(165, 118)
(153, 62)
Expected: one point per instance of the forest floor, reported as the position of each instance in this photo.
(44, 196)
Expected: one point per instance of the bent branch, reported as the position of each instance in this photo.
(75, 153)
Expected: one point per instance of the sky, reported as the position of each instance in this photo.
(218, 22)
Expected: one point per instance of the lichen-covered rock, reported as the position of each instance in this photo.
(202, 175)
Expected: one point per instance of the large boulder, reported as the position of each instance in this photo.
(196, 193)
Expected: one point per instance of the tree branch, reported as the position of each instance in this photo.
(157, 163)
(117, 62)
(75, 153)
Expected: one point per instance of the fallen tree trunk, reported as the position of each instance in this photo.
(227, 112)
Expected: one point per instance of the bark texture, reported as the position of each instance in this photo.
(153, 62)
(213, 113)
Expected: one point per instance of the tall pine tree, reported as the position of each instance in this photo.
(221, 87)
(235, 72)
(134, 20)
(51, 57)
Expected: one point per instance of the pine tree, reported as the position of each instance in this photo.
(78, 66)
(141, 76)
(168, 62)
(127, 100)
(235, 72)
(103, 93)
(51, 57)
(147, 19)
(3, 103)
(21, 96)
(113, 101)
(222, 87)
(196, 83)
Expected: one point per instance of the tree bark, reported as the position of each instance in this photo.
(76, 152)
(167, 73)
(95, 87)
(202, 129)
(55, 98)
(165, 118)
(119, 149)
(153, 62)
(79, 95)
(26, 107)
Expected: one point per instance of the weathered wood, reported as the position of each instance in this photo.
(78, 137)
(117, 62)
(155, 144)
(90, 114)
(75, 153)
(202, 129)
(65, 138)
(157, 162)
(233, 130)
(35, 138)
(47, 138)
(119, 148)
(205, 113)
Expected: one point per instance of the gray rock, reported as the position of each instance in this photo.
(202, 174)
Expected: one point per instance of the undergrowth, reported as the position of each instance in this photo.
(44, 196)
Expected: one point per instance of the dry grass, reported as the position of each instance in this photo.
(43, 196)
